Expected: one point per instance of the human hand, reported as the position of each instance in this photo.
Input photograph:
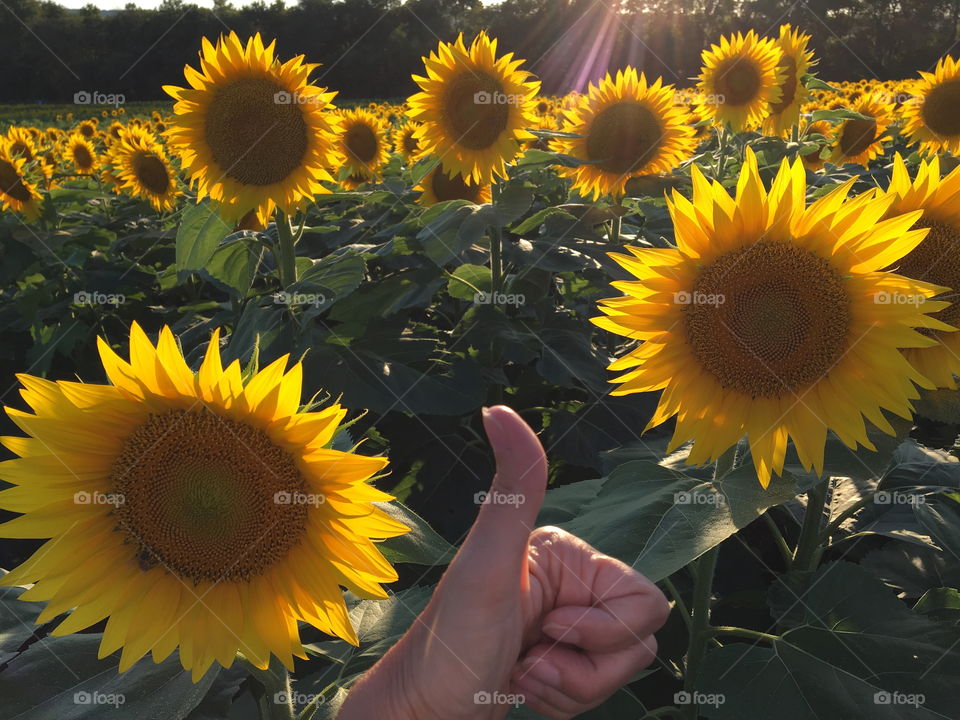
(536, 613)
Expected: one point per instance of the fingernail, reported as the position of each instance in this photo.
(491, 425)
(542, 670)
(562, 633)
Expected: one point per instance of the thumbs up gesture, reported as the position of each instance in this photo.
(523, 615)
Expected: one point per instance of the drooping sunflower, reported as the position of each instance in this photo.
(143, 169)
(766, 320)
(252, 132)
(362, 142)
(81, 153)
(438, 186)
(858, 141)
(405, 142)
(16, 191)
(627, 127)
(932, 116)
(191, 509)
(740, 80)
(474, 108)
(935, 260)
(795, 62)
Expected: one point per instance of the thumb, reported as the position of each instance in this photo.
(508, 511)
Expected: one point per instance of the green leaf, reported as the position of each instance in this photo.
(468, 280)
(658, 520)
(839, 114)
(940, 515)
(787, 683)
(421, 546)
(941, 604)
(233, 267)
(848, 618)
(514, 200)
(538, 218)
(201, 231)
(814, 83)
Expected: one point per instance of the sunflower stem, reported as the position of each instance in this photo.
(276, 700)
(615, 228)
(286, 256)
(701, 631)
(806, 556)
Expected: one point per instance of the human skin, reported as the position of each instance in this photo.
(521, 610)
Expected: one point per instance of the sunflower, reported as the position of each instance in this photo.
(405, 142)
(88, 128)
(795, 62)
(740, 80)
(252, 132)
(81, 154)
(142, 168)
(935, 260)
(932, 117)
(16, 191)
(22, 143)
(474, 108)
(438, 186)
(626, 128)
(191, 509)
(362, 142)
(858, 141)
(767, 318)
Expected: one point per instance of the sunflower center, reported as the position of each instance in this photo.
(476, 110)
(453, 188)
(151, 172)
(19, 147)
(769, 319)
(789, 87)
(738, 81)
(11, 182)
(623, 138)
(254, 138)
(936, 260)
(410, 144)
(87, 130)
(82, 156)
(941, 109)
(361, 142)
(857, 135)
(204, 496)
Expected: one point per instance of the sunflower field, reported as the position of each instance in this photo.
(247, 335)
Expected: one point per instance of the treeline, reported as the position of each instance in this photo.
(369, 48)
